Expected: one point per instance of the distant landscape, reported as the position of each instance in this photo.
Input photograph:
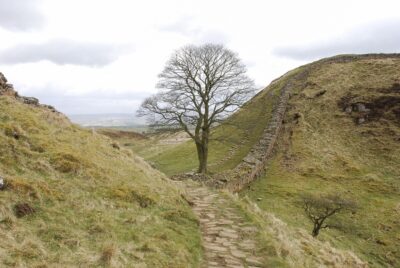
(108, 120)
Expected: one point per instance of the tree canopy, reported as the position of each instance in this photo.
(199, 86)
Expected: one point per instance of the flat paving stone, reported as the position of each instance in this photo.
(222, 227)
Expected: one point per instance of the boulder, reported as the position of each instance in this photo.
(3, 79)
(30, 100)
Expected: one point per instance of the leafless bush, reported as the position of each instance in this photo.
(320, 209)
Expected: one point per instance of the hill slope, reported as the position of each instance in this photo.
(73, 198)
(226, 151)
(342, 135)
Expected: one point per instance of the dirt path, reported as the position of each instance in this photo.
(229, 240)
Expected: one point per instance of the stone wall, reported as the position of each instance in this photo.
(253, 164)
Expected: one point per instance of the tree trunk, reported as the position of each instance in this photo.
(315, 231)
(200, 156)
(317, 227)
(202, 152)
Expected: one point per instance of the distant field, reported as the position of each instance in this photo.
(119, 121)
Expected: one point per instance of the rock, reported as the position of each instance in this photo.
(360, 120)
(238, 254)
(30, 100)
(215, 248)
(254, 261)
(2, 183)
(229, 235)
(360, 107)
(320, 93)
(51, 108)
(348, 109)
(259, 198)
(3, 79)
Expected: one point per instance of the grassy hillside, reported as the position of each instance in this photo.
(229, 143)
(342, 135)
(75, 198)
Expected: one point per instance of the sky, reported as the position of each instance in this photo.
(103, 56)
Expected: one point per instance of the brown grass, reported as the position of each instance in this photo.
(87, 196)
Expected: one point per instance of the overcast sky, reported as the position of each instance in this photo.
(103, 56)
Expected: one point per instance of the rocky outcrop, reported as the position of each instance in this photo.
(7, 89)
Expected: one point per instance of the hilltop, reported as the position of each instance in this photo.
(73, 197)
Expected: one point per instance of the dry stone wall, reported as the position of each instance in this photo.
(253, 164)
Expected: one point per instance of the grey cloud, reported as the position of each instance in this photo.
(64, 52)
(378, 37)
(20, 15)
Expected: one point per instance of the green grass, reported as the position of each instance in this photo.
(95, 205)
(326, 152)
(230, 141)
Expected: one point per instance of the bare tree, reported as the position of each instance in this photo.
(320, 208)
(199, 86)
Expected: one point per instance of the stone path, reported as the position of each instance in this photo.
(228, 239)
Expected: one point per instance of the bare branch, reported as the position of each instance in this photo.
(320, 208)
(199, 86)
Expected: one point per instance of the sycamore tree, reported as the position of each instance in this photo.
(199, 86)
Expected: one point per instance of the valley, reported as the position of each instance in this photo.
(102, 196)
(324, 147)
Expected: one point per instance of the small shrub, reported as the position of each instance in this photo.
(115, 145)
(108, 253)
(66, 163)
(321, 208)
(143, 200)
(13, 131)
(7, 221)
(130, 195)
(21, 186)
(23, 209)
